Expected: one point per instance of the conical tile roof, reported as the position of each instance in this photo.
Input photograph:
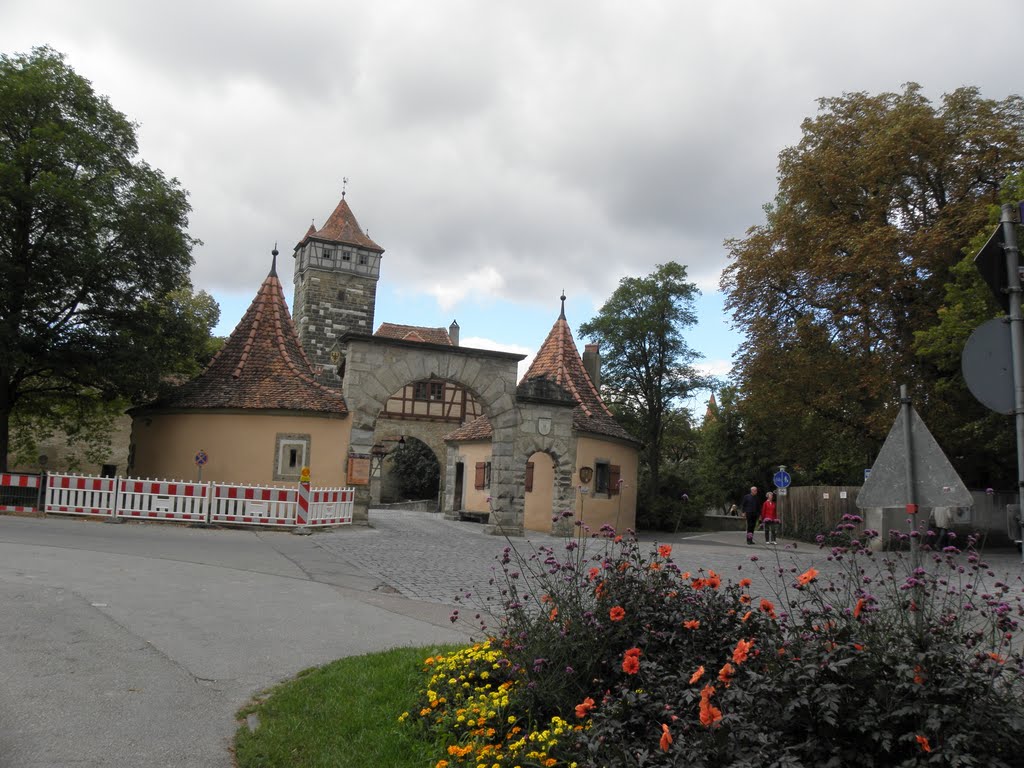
(558, 360)
(341, 227)
(261, 366)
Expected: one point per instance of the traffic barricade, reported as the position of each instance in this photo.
(163, 500)
(81, 495)
(18, 492)
(252, 505)
(330, 506)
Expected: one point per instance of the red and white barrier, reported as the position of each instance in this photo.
(163, 500)
(331, 506)
(175, 500)
(27, 482)
(77, 495)
(252, 505)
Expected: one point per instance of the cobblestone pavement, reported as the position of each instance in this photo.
(425, 557)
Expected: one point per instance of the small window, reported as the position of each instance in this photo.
(292, 456)
(328, 254)
(419, 390)
(341, 294)
(437, 390)
(482, 479)
(362, 259)
(602, 477)
(346, 256)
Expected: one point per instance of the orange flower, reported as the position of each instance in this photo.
(997, 658)
(858, 608)
(918, 674)
(858, 647)
(923, 742)
(745, 599)
(599, 590)
(691, 624)
(631, 661)
(593, 573)
(583, 709)
(618, 613)
(685, 576)
(666, 737)
(554, 614)
(725, 673)
(699, 583)
(742, 649)
(714, 580)
(546, 598)
(745, 583)
(655, 566)
(697, 675)
(665, 550)
(807, 577)
(747, 615)
(709, 715)
(768, 607)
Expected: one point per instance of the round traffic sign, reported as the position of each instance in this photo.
(782, 479)
(201, 458)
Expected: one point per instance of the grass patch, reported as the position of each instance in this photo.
(342, 715)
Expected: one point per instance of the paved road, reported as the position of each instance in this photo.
(134, 645)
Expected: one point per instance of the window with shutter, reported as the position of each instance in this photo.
(480, 480)
(529, 476)
(615, 474)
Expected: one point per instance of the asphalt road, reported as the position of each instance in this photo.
(134, 645)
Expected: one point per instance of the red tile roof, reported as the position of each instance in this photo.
(478, 429)
(558, 360)
(261, 366)
(341, 227)
(414, 333)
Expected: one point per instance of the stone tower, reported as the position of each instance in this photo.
(336, 272)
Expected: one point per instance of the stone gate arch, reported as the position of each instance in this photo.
(374, 367)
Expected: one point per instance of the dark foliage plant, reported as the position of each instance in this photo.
(605, 655)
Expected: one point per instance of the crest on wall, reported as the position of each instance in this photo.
(544, 425)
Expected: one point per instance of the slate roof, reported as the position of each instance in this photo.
(341, 227)
(478, 429)
(560, 361)
(261, 366)
(414, 333)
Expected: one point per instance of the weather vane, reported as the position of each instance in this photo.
(344, 183)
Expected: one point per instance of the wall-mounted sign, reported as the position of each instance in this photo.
(359, 470)
(586, 473)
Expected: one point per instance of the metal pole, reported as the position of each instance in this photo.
(1009, 219)
(909, 468)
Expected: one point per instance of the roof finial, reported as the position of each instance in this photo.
(344, 183)
(273, 264)
(562, 315)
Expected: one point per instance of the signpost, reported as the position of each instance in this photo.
(782, 481)
(201, 459)
(999, 264)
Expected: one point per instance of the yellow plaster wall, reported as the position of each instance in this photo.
(241, 447)
(537, 509)
(619, 510)
(469, 454)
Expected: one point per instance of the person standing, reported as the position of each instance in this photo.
(943, 522)
(750, 506)
(770, 519)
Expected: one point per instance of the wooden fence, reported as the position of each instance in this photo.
(809, 510)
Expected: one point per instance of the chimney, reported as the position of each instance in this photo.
(592, 363)
(453, 333)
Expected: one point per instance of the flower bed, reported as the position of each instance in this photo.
(604, 655)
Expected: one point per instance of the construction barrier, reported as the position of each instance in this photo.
(252, 505)
(18, 493)
(331, 506)
(77, 495)
(163, 500)
(183, 501)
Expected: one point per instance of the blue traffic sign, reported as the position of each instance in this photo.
(782, 479)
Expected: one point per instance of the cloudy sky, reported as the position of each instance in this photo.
(498, 152)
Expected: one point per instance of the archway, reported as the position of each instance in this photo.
(411, 472)
(539, 493)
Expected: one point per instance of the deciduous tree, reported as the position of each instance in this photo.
(95, 298)
(875, 206)
(648, 364)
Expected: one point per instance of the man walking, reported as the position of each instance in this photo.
(751, 508)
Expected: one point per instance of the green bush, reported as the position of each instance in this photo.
(609, 656)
